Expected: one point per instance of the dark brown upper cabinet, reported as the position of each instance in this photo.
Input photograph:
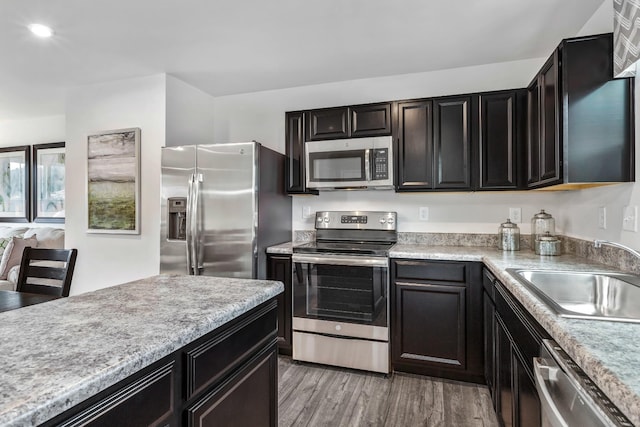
(294, 146)
(371, 120)
(580, 120)
(543, 149)
(434, 144)
(414, 156)
(452, 142)
(349, 122)
(328, 123)
(502, 121)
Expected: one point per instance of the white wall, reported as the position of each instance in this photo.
(104, 259)
(40, 130)
(189, 114)
(261, 116)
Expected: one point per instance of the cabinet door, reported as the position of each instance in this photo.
(452, 142)
(528, 410)
(415, 146)
(533, 133)
(279, 268)
(371, 120)
(429, 325)
(489, 343)
(504, 386)
(549, 122)
(295, 170)
(247, 398)
(499, 140)
(328, 123)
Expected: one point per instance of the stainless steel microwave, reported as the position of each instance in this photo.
(350, 163)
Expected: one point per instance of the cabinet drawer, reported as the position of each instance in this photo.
(487, 283)
(424, 270)
(153, 392)
(212, 359)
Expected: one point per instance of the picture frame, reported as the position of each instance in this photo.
(15, 184)
(48, 179)
(113, 182)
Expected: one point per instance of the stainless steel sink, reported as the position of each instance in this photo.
(585, 295)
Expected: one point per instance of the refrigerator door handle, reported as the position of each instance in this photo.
(197, 226)
(189, 230)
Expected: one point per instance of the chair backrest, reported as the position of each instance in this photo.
(46, 271)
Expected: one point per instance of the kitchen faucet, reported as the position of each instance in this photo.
(598, 244)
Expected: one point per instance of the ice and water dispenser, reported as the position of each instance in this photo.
(177, 218)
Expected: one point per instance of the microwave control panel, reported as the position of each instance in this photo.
(380, 164)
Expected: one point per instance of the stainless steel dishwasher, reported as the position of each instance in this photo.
(568, 396)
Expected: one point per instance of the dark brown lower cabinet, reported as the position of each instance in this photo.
(241, 400)
(436, 318)
(279, 268)
(516, 341)
(227, 377)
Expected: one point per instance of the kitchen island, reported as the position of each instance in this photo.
(181, 342)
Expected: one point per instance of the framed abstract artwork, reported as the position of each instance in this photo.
(113, 182)
(48, 180)
(15, 201)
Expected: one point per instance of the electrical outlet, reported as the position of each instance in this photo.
(306, 212)
(515, 215)
(630, 218)
(424, 213)
(602, 217)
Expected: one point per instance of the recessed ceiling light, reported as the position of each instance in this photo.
(41, 30)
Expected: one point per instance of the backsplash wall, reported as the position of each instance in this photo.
(464, 212)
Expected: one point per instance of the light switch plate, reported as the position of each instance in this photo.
(630, 218)
(424, 213)
(306, 212)
(602, 217)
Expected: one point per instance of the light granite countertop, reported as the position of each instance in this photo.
(282, 249)
(56, 354)
(609, 352)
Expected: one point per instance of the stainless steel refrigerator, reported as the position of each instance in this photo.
(222, 206)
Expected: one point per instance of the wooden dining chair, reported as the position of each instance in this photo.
(46, 271)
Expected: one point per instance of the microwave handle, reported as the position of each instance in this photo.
(367, 163)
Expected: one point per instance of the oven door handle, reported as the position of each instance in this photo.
(342, 260)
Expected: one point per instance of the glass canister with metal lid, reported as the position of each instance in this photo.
(548, 245)
(509, 236)
(542, 223)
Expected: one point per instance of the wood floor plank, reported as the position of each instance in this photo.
(316, 395)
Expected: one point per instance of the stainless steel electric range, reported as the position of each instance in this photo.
(341, 289)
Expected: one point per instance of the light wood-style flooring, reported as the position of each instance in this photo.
(315, 395)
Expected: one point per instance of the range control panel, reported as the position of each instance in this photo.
(365, 220)
(353, 219)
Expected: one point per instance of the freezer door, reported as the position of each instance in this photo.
(227, 209)
(178, 167)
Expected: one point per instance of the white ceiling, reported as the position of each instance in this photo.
(236, 46)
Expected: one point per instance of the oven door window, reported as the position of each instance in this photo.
(339, 292)
(337, 166)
